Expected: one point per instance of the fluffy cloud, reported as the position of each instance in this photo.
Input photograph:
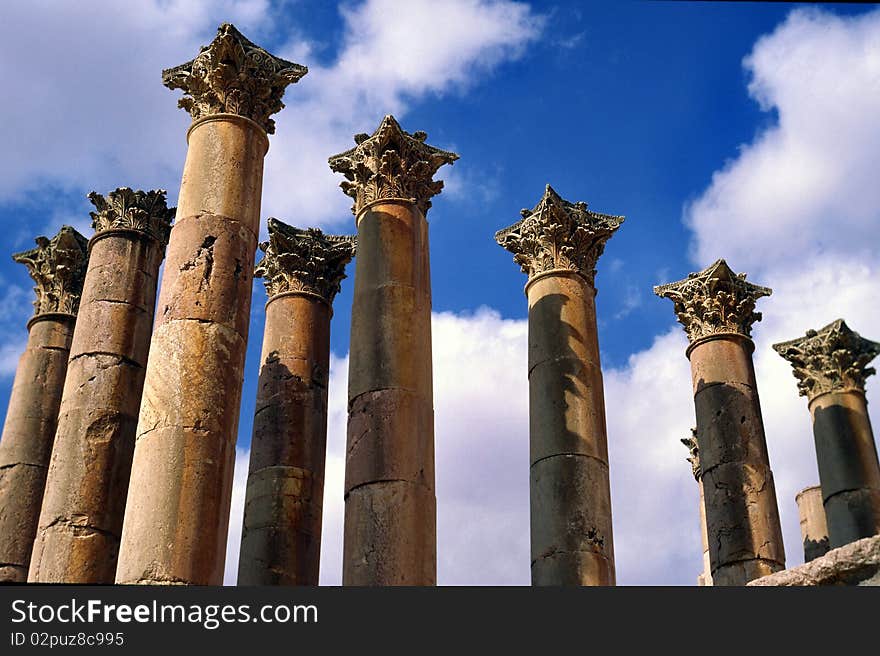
(90, 111)
(808, 185)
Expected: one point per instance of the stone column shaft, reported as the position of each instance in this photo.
(558, 244)
(831, 367)
(705, 578)
(814, 529)
(848, 467)
(390, 534)
(571, 536)
(32, 415)
(177, 512)
(281, 536)
(81, 519)
(27, 439)
(390, 506)
(742, 516)
(716, 307)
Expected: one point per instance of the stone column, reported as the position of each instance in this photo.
(81, 519)
(177, 512)
(281, 536)
(716, 307)
(58, 267)
(390, 507)
(831, 368)
(558, 244)
(814, 529)
(705, 577)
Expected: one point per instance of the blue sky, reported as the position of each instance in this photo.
(737, 130)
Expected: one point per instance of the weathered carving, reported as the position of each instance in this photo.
(391, 163)
(144, 211)
(556, 234)
(58, 266)
(694, 449)
(233, 75)
(833, 359)
(714, 300)
(304, 260)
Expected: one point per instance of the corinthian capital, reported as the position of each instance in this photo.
(304, 261)
(231, 75)
(833, 359)
(714, 300)
(391, 163)
(58, 266)
(144, 211)
(556, 234)
(694, 451)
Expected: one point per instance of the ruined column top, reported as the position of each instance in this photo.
(304, 261)
(232, 75)
(833, 359)
(714, 301)
(58, 266)
(694, 450)
(558, 235)
(126, 209)
(391, 164)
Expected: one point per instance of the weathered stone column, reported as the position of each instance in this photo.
(716, 307)
(558, 244)
(705, 577)
(814, 529)
(390, 507)
(831, 368)
(81, 519)
(177, 511)
(58, 267)
(281, 536)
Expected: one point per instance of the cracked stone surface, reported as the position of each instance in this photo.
(81, 519)
(177, 511)
(281, 533)
(390, 506)
(742, 516)
(857, 563)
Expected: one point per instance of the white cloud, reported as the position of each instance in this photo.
(90, 111)
(808, 184)
(236, 515)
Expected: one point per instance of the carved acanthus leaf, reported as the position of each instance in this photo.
(833, 359)
(58, 266)
(556, 234)
(145, 211)
(391, 163)
(304, 260)
(714, 300)
(694, 450)
(232, 75)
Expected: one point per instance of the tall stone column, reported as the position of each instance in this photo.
(81, 519)
(177, 512)
(390, 507)
(705, 577)
(557, 244)
(831, 367)
(814, 529)
(58, 267)
(281, 536)
(716, 307)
